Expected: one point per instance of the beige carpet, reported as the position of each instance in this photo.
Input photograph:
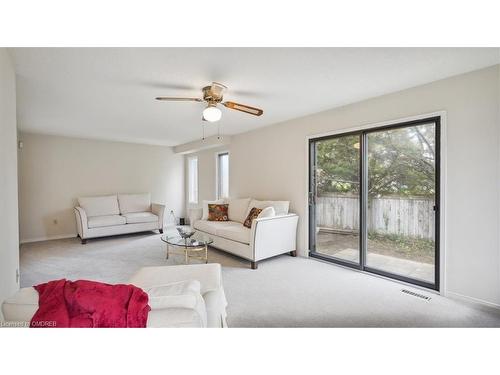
(109, 259)
(283, 292)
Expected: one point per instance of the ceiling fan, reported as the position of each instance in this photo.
(213, 95)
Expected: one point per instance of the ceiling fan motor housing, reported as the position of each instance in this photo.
(210, 95)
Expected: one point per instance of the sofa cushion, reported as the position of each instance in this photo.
(280, 207)
(209, 275)
(134, 202)
(175, 318)
(181, 294)
(237, 233)
(105, 221)
(99, 206)
(205, 207)
(211, 227)
(140, 217)
(238, 209)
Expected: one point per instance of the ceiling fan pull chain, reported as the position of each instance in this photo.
(203, 130)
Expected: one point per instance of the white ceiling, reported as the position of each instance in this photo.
(108, 93)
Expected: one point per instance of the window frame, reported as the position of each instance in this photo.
(218, 181)
(192, 184)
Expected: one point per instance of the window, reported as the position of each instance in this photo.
(193, 180)
(222, 175)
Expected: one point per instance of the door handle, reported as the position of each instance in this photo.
(311, 198)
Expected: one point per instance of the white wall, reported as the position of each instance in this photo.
(207, 170)
(9, 239)
(54, 171)
(270, 163)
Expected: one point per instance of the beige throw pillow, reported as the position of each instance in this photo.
(238, 209)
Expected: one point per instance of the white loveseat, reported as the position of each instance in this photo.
(117, 214)
(268, 236)
(210, 312)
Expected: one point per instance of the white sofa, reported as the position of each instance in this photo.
(117, 214)
(211, 312)
(267, 237)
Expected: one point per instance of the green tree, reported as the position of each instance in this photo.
(337, 165)
(400, 162)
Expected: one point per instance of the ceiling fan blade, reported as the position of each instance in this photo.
(176, 99)
(244, 108)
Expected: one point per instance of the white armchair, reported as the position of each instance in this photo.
(20, 308)
(212, 291)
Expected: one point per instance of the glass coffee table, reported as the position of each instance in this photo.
(189, 247)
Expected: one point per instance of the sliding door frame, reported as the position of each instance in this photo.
(363, 228)
(312, 199)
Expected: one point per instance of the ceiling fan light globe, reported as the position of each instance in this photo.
(212, 114)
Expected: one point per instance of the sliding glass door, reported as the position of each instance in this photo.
(373, 200)
(337, 196)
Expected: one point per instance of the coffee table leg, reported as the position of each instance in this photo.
(186, 256)
(206, 254)
(167, 252)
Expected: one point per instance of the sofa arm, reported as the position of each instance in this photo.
(209, 276)
(159, 210)
(275, 235)
(194, 215)
(81, 222)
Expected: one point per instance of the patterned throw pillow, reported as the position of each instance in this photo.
(254, 212)
(217, 212)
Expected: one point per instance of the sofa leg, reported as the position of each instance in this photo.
(84, 241)
(161, 231)
(254, 265)
(293, 253)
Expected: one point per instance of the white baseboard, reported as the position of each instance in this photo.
(464, 298)
(47, 238)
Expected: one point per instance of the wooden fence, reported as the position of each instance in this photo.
(406, 216)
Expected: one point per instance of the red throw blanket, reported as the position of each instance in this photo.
(86, 304)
